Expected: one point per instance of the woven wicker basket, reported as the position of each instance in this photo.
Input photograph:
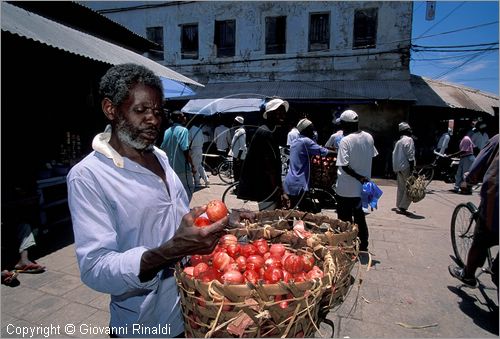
(217, 310)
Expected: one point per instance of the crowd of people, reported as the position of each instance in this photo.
(130, 199)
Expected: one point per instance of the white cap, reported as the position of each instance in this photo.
(274, 104)
(403, 126)
(349, 116)
(239, 119)
(303, 124)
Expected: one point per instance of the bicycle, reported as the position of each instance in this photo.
(463, 222)
(444, 166)
(223, 168)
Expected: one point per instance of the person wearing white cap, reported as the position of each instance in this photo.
(238, 150)
(260, 178)
(354, 167)
(296, 184)
(403, 163)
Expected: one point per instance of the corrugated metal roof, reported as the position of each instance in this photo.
(85, 19)
(337, 89)
(32, 26)
(441, 94)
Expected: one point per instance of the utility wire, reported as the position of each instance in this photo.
(463, 63)
(453, 31)
(440, 21)
(457, 46)
(452, 51)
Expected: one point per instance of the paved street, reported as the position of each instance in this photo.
(406, 293)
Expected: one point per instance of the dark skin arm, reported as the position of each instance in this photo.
(188, 240)
(354, 174)
(187, 155)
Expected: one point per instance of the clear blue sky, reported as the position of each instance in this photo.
(475, 69)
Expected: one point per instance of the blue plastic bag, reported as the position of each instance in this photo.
(370, 195)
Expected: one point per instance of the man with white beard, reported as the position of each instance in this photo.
(129, 210)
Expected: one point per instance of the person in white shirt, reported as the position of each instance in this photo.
(354, 167)
(238, 149)
(222, 139)
(292, 135)
(403, 163)
(196, 141)
(479, 137)
(443, 142)
(130, 211)
(334, 140)
(208, 133)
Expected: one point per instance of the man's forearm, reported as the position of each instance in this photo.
(354, 174)
(156, 259)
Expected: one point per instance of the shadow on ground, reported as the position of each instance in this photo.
(54, 239)
(487, 320)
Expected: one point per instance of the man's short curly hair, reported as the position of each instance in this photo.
(118, 80)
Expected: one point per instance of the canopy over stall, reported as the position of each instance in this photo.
(223, 105)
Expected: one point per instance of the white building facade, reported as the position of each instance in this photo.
(232, 41)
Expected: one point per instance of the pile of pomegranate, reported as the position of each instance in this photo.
(232, 262)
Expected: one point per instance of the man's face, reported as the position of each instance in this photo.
(139, 118)
(277, 117)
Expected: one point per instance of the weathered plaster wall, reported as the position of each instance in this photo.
(251, 62)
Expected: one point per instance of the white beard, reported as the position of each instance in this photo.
(125, 135)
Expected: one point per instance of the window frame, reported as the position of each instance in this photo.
(156, 55)
(187, 53)
(228, 50)
(325, 40)
(367, 41)
(275, 46)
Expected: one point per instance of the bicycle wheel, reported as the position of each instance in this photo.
(227, 191)
(325, 198)
(225, 170)
(463, 223)
(428, 173)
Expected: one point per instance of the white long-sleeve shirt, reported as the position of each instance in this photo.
(239, 143)
(403, 153)
(120, 209)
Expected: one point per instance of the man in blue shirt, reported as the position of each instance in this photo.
(176, 145)
(130, 212)
(302, 149)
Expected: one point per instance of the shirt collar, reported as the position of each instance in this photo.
(101, 144)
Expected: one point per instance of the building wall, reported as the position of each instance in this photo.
(250, 61)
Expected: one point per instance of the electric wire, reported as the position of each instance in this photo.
(444, 18)
(464, 63)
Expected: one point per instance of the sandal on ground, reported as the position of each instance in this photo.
(30, 268)
(9, 278)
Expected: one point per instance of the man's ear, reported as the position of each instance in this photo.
(109, 109)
